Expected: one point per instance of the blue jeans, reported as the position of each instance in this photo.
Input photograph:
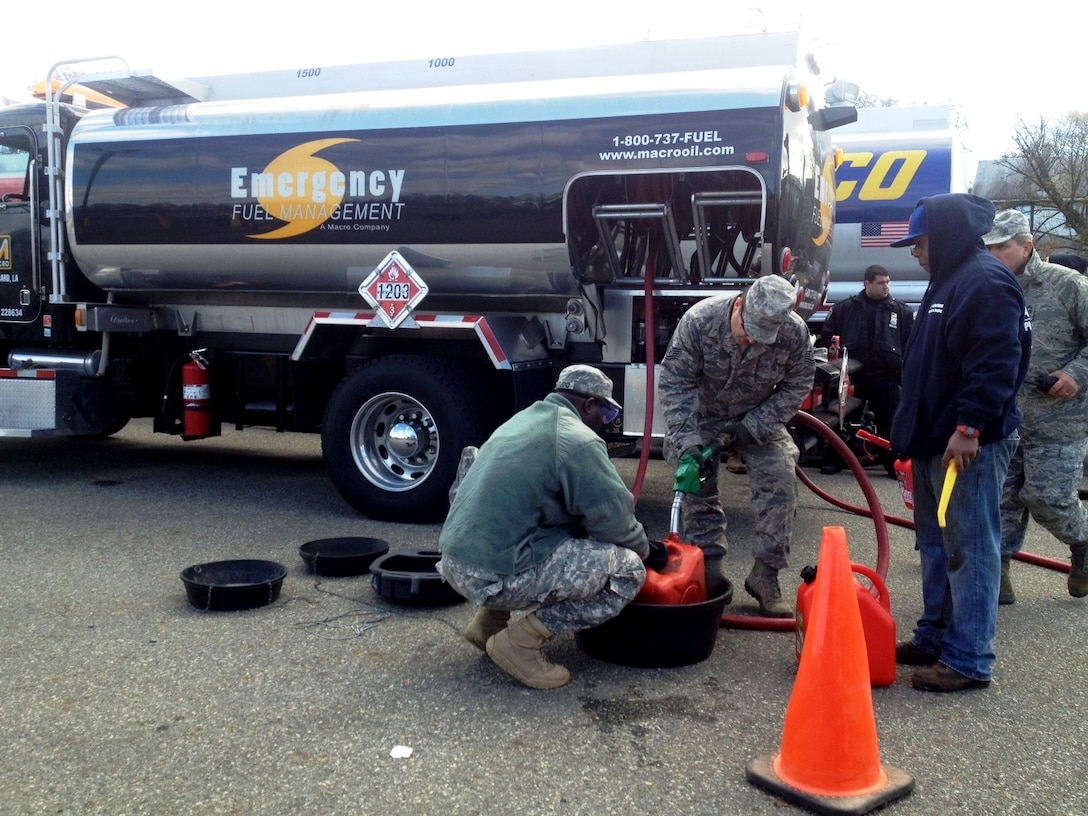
(961, 564)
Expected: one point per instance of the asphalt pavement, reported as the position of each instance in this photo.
(117, 697)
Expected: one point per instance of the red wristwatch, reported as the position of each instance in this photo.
(969, 432)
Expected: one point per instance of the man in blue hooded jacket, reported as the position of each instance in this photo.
(964, 363)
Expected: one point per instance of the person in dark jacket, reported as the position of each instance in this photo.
(966, 359)
(873, 327)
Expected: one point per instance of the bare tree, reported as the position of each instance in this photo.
(1048, 173)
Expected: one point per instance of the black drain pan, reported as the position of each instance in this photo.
(657, 635)
(339, 557)
(410, 577)
(225, 586)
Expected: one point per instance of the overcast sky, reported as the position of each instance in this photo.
(980, 57)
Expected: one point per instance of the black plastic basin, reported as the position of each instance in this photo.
(225, 586)
(657, 635)
(410, 577)
(339, 557)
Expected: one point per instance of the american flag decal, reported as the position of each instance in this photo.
(880, 234)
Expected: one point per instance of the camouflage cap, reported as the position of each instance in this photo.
(767, 305)
(588, 380)
(1007, 224)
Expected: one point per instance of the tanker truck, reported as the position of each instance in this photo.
(398, 255)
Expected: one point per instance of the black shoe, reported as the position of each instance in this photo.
(942, 678)
(829, 468)
(1005, 594)
(907, 654)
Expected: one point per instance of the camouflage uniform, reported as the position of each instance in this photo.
(584, 583)
(539, 517)
(709, 380)
(1048, 465)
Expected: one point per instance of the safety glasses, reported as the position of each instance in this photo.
(609, 412)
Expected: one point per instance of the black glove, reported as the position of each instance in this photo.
(704, 456)
(741, 435)
(1044, 382)
(695, 452)
(658, 557)
(704, 453)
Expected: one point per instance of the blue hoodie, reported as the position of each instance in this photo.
(969, 350)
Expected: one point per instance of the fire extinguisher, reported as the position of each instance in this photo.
(196, 396)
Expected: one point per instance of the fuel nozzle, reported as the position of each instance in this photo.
(694, 470)
(689, 477)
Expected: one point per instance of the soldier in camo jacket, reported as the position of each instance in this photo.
(1048, 465)
(736, 371)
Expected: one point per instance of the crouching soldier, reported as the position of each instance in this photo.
(542, 521)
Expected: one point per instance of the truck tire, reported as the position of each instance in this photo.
(393, 433)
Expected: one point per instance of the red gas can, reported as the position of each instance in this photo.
(876, 621)
(904, 474)
(682, 581)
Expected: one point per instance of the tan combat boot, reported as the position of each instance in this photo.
(484, 624)
(1078, 575)
(519, 651)
(762, 584)
(1006, 595)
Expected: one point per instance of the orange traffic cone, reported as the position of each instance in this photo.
(830, 760)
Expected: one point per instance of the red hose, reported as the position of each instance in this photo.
(853, 508)
(1029, 558)
(1040, 561)
(875, 512)
(648, 417)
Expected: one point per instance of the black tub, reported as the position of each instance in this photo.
(340, 557)
(225, 586)
(652, 636)
(410, 577)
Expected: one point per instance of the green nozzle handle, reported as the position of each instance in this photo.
(691, 472)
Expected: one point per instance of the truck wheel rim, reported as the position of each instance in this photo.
(394, 441)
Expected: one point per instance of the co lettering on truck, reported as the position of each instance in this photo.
(887, 176)
(891, 158)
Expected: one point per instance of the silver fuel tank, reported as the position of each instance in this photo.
(469, 184)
